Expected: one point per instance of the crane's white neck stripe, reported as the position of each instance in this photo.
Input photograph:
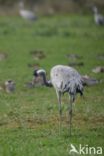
(41, 71)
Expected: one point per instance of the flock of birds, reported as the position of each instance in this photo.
(31, 16)
(64, 79)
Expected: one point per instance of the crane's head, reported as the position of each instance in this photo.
(95, 10)
(42, 73)
(39, 72)
(21, 4)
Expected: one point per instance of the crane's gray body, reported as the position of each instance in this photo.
(66, 79)
(99, 19)
(26, 14)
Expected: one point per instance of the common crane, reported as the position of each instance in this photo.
(26, 14)
(99, 19)
(63, 79)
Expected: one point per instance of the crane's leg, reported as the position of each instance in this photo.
(59, 106)
(59, 103)
(70, 113)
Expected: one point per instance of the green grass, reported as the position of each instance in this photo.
(29, 120)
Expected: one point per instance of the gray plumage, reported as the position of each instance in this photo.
(99, 19)
(66, 79)
(63, 79)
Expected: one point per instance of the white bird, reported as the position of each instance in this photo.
(63, 79)
(99, 19)
(26, 14)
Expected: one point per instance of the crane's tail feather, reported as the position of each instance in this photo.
(80, 89)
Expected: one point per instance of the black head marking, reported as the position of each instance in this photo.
(9, 81)
(35, 72)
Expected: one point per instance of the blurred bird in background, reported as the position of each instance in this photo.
(98, 18)
(25, 13)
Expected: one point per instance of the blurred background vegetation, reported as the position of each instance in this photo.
(49, 7)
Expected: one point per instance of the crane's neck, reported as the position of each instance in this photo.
(21, 5)
(47, 83)
(95, 10)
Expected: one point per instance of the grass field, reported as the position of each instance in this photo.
(29, 119)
